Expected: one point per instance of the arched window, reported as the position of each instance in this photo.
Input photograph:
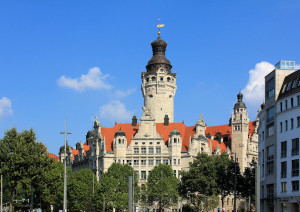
(119, 141)
(147, 79)
(153, 79)
(161, 79)
(168, 79)
(175, 140)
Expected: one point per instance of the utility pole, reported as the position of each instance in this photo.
(65, 167)
(130, 194)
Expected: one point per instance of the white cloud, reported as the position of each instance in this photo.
(255, 89)
(94, 79)
(124, 93)
(5, 107)
(115, 111)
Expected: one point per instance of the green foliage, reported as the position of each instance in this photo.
(247, 187)
(162, 186)
(113, 188)
(52, 185)
(80, 190)
(225, 175)
(23, 161)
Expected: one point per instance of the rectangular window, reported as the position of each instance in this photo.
(270, 193)
(143, 162)
(283, 169)
(263, 135)
(151, 150)
(280, 126)
(292, 102)
(136, 151)
(270, 152)
(270, 129)
(295, 185)
(286, 125)
(143, 151)
(270, 167)
(295, 146)
(295, 167)
(298, 99)
(136, 162)
(151, 162)
(137, 174)
(143, 175)
(283, 149)
(174, 172)
(178, 161)
(174, 162)
(158, 150)
(270, 88)
(270, 115)
(298, 121)
(292, 123)
(283, 187)
(165, 161)
(157, 162)
(280, 106)
(262, 192)
(263, 170)
(286, 104)
(129, 162)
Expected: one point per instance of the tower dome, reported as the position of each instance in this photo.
(159, 49)
(240, 103)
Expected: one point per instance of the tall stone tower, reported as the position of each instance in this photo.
(239, 131)
(159, 84)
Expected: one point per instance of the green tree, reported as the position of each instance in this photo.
(23, 160)
(225, 175)
(52, 185)
(247, 187)
(162, 186)
(82, 186)
(200, 178)
(113, 188)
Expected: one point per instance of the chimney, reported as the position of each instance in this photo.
(134, 121)
(166, 120)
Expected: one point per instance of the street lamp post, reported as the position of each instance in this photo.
(234, 207)
(65, 167)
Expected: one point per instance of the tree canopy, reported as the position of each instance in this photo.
(23, 161)
(114, 186)
(162, 186)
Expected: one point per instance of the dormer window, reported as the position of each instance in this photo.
(162, 70)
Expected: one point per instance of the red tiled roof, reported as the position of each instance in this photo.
(215, 143)
(224, 130)
(55, 157)
(186, 132)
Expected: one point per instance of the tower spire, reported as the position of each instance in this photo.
(159, 26)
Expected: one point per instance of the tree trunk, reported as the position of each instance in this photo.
(11, 201)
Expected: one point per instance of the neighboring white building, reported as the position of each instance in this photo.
(288, 134)
(271, 117)
(157, 138)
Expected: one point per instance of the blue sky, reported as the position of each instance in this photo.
(76, 59)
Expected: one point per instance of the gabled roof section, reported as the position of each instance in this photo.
(290, 85)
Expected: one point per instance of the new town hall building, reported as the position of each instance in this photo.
(156, 138)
